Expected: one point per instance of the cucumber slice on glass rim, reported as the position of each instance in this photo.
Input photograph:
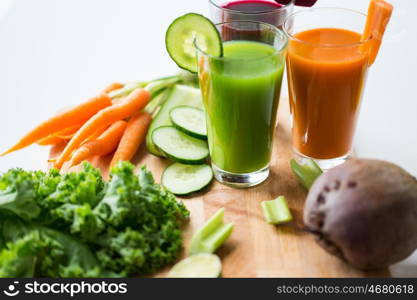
(182, 33)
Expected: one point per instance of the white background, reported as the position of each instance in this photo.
(57, 52)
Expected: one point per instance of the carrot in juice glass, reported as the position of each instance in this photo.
(327, 63)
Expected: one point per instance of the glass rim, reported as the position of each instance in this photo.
(290, 36)
(213, 2)
(277, 32)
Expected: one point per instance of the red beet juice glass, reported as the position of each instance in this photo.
(267, 11)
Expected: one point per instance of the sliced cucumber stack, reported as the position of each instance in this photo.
(190, 120)
(183, 32)
(181, 179)
(180, 147)
(204, 265)
(180, 95)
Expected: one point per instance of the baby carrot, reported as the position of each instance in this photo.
(104, 144)
(136, 101)
(132, 138)
(63, 120)
(379, 14)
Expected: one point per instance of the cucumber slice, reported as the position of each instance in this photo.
(180, 147)
(182, 179)
(203, 265)
(182, 33)
(180, 95)
(189, 120)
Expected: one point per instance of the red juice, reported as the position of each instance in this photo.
(253, 6)
(306, 3)
(265, 11)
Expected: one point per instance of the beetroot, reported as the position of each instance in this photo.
(365, 212)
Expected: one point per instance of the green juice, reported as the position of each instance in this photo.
(241, 94)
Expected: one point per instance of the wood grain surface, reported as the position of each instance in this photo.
(255, 248)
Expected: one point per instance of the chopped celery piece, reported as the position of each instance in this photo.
(203, 265)
(306, 173)
(212, 235)
(180, 95)
(276, 211)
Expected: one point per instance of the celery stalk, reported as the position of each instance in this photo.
(158, 85)
(154, 86)
(276, 211)
(212, 235)
(306, 173)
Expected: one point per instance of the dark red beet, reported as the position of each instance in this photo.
(365, 212)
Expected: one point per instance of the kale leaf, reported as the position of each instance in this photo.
(143, 223)
(34, 250)
(78, 225)
(18, 193)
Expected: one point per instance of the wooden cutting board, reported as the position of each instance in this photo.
(255, 248)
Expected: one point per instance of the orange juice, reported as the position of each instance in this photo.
(327, 68)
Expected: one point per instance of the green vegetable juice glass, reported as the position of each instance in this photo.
(241, 92)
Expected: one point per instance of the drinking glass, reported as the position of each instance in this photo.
(267, 11)
(325, 83)
(241, 92)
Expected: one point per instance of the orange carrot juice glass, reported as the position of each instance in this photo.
(327, 66)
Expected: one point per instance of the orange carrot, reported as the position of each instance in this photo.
(132, 138)
(379, 14)
(63, 120)
(96, 134)
(65, 136)
(112, 87)
(121, 110)
(50, 140)
(60, 136)
(104, 144)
